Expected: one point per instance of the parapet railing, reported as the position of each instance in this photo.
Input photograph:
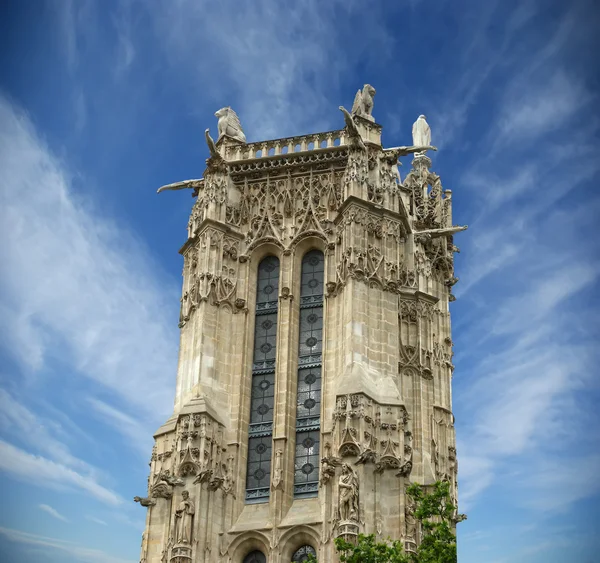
(289, 145)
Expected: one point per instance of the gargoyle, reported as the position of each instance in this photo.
(397, 152)
(145, 501)
(184, 185)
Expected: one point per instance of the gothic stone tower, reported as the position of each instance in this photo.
(315, 362)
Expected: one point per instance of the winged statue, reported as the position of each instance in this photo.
(363, 102)
(353, 133)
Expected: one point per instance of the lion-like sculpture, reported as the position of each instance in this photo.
(363, 102)
(229, 124)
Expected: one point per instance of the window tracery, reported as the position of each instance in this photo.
(308, 403)
(262, 395)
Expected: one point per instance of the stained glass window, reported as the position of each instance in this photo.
(262, 396)
(303, 553)
(256, 557)
(308, 404)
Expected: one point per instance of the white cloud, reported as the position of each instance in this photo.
(270, 56)
(137, 434)
(29, 468)
(37, 432)
(75, 552)
(530, 113)
(77, 286)
(53, 512)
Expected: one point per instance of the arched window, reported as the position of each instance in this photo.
(308, 403)
(257, 557)
(262, 395)
(303, 553)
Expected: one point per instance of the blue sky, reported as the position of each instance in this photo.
(102, 102)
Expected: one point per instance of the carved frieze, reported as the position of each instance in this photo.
(371, 433)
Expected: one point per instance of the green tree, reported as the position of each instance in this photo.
(434, 512)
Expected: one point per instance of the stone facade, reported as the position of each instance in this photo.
(384, 354)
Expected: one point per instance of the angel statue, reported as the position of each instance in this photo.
(229, 124)
(363, 102)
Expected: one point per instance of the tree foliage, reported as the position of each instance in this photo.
(436, 515)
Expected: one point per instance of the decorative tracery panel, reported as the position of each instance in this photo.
(310, 349)
(262, 395)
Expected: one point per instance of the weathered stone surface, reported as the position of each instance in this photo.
(385, 418)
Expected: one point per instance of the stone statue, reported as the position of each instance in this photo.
(355, 140)
(212, 147)
(421, 132)
(278, 471)
(215, 161)
(184, 515)
(348, 494)
(409, 519)
(229, 124)
(363, 102)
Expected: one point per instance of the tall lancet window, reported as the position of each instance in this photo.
(310, 355)
(258, 474)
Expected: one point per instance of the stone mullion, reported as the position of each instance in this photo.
(284, 416)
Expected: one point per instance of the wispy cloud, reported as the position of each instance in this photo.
(53, 512)
(533, 112)
(37, 432)
(30, 468)
(524, 367)
(136, 433)
(75, 552)
(66, 265)
(275, 59)
(96, 520)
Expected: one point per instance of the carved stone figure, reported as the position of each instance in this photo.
(184, 185)
(410, 520)
(184, 515)
(278, 470)
(421, 132)
(348, 494)
(145, 501)
(397, 152)
(353, 132)
(363, 102)
(229, 124)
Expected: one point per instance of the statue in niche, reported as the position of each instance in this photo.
(363, 102)
(348, 494)
(410, 520)
(278, 471)
(229, 124)
(184, 514)
(421, 132)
